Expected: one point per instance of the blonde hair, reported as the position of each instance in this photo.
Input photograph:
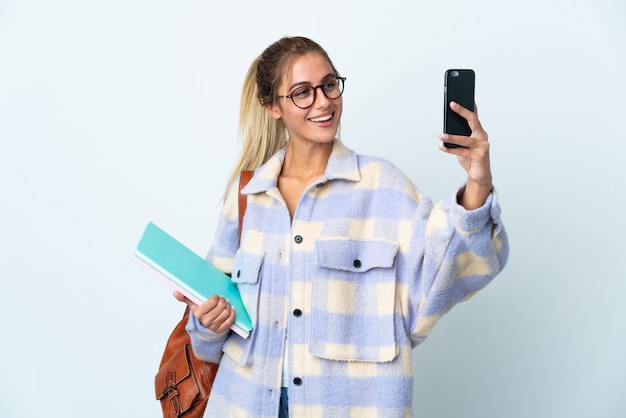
(262, 135)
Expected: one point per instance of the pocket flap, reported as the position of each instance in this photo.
(174, 380)
(355, 255)
(246, 268)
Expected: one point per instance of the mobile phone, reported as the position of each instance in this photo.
(459, 87)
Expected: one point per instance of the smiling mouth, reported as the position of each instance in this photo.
(322, 118)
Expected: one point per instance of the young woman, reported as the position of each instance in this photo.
(344, 266)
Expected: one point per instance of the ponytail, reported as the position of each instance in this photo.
(261, 135)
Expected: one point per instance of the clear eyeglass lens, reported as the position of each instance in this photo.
(305, 96)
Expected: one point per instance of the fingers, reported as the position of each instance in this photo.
(182, 298)
(216, 314)
(472, 120)
(473, 153)
(475, 148)
(461, 141)
(228, 321)
(478, 137)
(466, 113)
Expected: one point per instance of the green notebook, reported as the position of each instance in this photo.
(189, 273)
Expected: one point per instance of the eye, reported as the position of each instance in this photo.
(330, 84)
(301, 93)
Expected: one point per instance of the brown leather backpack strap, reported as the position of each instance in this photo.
(244, 178)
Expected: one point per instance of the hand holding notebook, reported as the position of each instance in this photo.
(191, 275)
(216, 313)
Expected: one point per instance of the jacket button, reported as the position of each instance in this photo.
(298, 239)
(238, 273)
(357, 263)
(297, 381)
(297, 313)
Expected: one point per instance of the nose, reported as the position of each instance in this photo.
(321, 97)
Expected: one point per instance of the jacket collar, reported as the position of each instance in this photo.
(342, 165)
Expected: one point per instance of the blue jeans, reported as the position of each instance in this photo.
(283, 409)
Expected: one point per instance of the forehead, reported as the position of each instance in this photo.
(311, 68)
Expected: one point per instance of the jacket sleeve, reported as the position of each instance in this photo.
(462, 251)
(206, 344)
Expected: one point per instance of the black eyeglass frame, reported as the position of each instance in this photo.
(343, 82)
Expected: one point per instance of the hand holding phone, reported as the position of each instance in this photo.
(459, 87)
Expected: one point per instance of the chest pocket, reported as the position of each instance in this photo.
(246, 272)
(353, 300)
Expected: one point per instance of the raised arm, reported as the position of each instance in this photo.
(473, 155)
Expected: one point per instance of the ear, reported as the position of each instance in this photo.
(274, 111)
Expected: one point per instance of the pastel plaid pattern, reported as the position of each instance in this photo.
(357, 279)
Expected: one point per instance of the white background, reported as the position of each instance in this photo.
(116, 113)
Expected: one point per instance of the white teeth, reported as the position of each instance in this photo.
(321, 119)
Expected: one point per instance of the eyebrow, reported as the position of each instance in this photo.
(307, 83)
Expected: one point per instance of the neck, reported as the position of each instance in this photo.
(306, 161)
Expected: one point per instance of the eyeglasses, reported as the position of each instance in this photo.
(305, 96)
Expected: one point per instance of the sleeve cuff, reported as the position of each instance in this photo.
(476, 219)
(206, 344)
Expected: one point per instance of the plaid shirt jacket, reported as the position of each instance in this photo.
(349, 286)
